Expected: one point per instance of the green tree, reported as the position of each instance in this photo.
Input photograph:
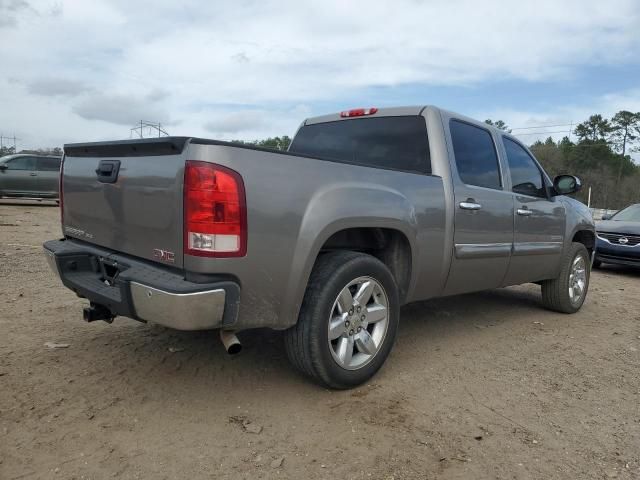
(594, 129)
(275, 143)
(7, 151)
(625, 127)
(499, 124)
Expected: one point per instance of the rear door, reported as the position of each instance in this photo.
(19, 178)
(48, 169)
(538, 218)
(483, 235)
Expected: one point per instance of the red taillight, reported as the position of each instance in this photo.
(61, 194)
(358, 112)
(215, 212)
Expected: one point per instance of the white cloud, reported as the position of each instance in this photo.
(86, 70)
(235, 122)
(122, 109)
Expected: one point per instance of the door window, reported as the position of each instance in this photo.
(526, 177)
(21, 163)
(49, 164)
(475, 153)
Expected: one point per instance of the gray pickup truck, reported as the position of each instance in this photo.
(368, 210)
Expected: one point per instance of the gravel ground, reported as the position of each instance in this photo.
(487, 385)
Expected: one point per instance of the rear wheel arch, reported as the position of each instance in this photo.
(391, 246)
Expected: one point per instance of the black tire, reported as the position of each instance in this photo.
(307, 342)
(555, 293)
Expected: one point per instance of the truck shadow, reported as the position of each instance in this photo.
(168, 360)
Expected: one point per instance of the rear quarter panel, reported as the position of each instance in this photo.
(294, 204)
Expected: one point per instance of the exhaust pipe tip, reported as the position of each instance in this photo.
(230, 341)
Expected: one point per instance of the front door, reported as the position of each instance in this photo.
(19, 177)
(538, 218)
(483, 236)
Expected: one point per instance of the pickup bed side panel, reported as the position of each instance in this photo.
(294, 204)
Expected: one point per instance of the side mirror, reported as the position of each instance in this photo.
(606, 216)
(566, 184)
(3, 167)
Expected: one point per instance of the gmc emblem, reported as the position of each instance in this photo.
(164, 255)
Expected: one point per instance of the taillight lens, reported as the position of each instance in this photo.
(215, 212)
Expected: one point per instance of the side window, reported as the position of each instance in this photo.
(21, 163)
(526, 177)
(48, 164)
(476, 156)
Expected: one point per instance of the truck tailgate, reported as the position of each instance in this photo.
(140, 212)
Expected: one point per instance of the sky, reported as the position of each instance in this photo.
(79, 70)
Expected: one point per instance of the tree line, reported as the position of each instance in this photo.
(600, 157)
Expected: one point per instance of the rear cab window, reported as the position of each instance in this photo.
(475, 155)
(397, 143)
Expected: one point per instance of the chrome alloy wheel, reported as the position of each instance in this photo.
(358, 323)
(577, 279)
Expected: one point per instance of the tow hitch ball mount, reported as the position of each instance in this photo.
(96, 312)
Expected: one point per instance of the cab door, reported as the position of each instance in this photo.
(483, 231)
(48, 169)
(20, 177)
(539, 219)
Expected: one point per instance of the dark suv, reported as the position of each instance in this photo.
(28, 175)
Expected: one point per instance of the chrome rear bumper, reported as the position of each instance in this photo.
(142, 290)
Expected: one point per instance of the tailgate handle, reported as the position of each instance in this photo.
(107, 171)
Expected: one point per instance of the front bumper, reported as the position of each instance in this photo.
(142, 290)
(607, 252)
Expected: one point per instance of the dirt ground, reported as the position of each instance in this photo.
(487, 385)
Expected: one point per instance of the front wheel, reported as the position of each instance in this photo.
(348, 320)
(567, 293)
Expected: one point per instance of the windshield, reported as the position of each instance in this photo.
(629, 214)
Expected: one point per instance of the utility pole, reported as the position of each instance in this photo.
(151, 127)
(12, 139)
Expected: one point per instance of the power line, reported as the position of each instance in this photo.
(544, 126)
(542, 133)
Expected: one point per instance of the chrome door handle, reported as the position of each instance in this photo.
(33, 174)
(470, 206)
(525, 212)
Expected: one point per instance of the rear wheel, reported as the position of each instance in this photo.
(567, 293)
(348, 320)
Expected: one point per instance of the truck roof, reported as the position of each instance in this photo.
(398, 112)
(381, 112)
